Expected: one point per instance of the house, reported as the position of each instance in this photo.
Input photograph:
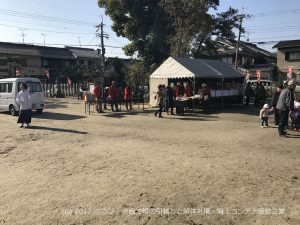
(32, 60)
(288, 58)
(250, 58)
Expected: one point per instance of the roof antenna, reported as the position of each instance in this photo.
(79, 41)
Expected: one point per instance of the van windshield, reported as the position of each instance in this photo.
(34, 86)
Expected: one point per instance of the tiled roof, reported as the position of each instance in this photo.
(84, 52)
(287, 44)
(263, 67)
(226, 47)
(34, 50)
(18, 49)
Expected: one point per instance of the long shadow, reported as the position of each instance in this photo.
(292, 136)
(57, 116)
(57, 129)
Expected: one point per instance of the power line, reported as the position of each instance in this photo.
(49, 31)
(41, 17)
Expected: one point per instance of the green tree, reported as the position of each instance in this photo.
(159, 28)
(146, 26)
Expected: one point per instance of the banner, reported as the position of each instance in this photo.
(258, 74)
(47, 74)
(69, 82)
(290, 72)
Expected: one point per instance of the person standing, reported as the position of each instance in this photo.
(24, 100)
(128, 97)
(206, 97)
(274, 103)
(170, 100)
(284, 105)
(248, 93)
(113, 96)
(98, 94)
(188, 92)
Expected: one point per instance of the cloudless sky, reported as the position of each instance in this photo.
(272, 20)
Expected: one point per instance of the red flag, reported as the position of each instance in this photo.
(258, 74)
(18, 73)
(291, 72)
(69, 82)
(47, 73)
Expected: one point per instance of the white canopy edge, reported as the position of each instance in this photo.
(171, 69)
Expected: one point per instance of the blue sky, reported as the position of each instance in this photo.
(75, 19)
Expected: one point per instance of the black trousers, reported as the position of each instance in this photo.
(114, 102)
(159, 111)
(276, 117)
(282, 120)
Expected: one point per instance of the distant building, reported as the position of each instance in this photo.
(34, 61)
(288, 56)
(250, 58)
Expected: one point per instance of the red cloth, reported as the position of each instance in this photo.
(188, 91)
(127, 93)
(97, 92)
(113, 91)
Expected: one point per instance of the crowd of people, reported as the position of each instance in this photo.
(284, 105)
(169, 98)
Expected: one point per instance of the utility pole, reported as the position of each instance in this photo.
(23, 35)
(79, 41)
(44, 35)
(101, 36)
(238, 42)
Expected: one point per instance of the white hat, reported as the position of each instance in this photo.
(266, 106)
(291, 82)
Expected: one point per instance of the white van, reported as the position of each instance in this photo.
(9, 89)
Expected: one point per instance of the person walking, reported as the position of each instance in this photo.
(274, 103)
(206, 97)
(160, 95)
(24, 100)
(128, 97)
(264, 116)
(284, 105)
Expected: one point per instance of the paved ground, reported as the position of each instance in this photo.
(133, 168)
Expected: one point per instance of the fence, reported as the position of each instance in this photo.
(50, 90)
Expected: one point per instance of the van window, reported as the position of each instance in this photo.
(34, 86)
(3, 87)
(9, 88)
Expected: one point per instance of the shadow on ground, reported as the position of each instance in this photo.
(57, 129)
(57, 116)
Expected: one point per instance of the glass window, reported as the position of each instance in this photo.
(9, 87)
(3, 87)
(292, 55)
(34, 86)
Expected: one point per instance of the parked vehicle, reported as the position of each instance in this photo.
(270, 86)
(9, 89)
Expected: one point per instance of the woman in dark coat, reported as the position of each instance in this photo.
(170, 100)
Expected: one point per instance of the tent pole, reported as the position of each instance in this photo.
(194, 91)
(222, 92)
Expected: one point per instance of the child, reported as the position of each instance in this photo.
(264, 115)
(295, 115)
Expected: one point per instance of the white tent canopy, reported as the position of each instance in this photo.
(177, 67)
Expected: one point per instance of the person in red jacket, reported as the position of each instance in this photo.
(98, 95)
(113, 95)
(188, 92)
(179, 90)
(128, 96)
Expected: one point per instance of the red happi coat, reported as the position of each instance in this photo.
(113, 92)
(127, 93)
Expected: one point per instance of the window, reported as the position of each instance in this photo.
(3, 87)
(292, 55)
(9, 87)
(81, 62)
(45, 63)
(227, 60)
(34, 86)
(90, 62)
